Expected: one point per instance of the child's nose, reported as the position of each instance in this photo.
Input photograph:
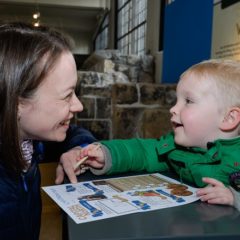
(173, 109)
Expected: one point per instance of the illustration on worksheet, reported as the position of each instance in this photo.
(100, 199)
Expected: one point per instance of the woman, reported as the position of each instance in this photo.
(37, 102)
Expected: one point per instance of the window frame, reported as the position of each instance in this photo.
(134, 30)
(104, 37)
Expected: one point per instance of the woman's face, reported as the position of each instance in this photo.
(47, 115)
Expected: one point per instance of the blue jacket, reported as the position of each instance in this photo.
(20, 199)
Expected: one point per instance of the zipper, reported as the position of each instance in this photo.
(24, 183)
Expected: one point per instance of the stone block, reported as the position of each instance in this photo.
(145, 77)
(155, 123)
(103, 108)
(100, 79)
(98, 56)
(126, 122)
(133, 60)
(124, 94)
(119, 77)
(147, 63)
(101, 129)
(88, 108)
(86, 90)
(89, 78)
(122, 68)
(104, 66)
(170, 98)
(133, 73)
(152, 94)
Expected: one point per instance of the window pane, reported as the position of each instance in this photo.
(101, 41)
(131, 26)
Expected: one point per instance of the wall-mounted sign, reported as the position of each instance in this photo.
(226, 30)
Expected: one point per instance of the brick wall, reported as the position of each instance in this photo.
(120, 97)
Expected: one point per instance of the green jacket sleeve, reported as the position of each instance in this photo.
(134, 155)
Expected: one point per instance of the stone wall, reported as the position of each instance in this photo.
(119, 102)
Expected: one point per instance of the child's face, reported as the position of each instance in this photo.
(196, 116)
(47, 115)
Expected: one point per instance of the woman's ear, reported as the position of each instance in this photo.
(231, 119)
(21, 106)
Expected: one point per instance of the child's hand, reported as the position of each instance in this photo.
(215, 192)
(96, 158)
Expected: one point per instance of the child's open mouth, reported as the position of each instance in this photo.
(176, 125)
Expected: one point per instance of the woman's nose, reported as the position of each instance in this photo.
(76, 104)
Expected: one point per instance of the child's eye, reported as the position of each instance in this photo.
(188, 101)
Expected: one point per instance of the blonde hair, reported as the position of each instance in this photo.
(225, 74)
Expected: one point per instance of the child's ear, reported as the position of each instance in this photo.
(231, 119)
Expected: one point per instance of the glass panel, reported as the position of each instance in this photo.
(131, 26)
(101, 41)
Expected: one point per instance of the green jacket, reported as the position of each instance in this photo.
(219, 160)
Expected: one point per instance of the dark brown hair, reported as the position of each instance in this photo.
(27, 54)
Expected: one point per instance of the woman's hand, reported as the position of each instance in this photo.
(66, 165)
(68, 162)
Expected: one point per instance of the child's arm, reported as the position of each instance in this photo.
(125, 155)
(215, 193)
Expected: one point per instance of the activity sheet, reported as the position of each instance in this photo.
(105, 198)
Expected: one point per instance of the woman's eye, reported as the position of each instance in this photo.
(69, 95)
